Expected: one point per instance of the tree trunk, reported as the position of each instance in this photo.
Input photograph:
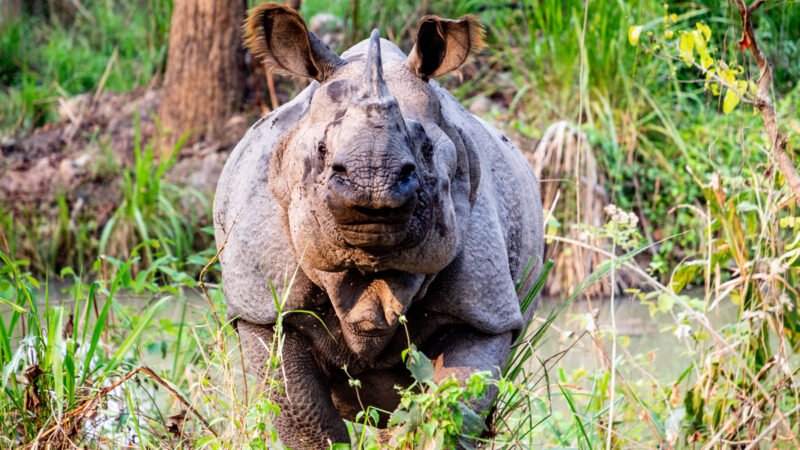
(205, 79)
(9, 11)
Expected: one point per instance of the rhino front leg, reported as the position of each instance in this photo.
(462, 351)
(308, 418)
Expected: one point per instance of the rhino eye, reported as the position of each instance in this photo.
(322, 149)
(427, 148)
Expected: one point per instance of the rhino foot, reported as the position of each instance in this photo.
(308, 418)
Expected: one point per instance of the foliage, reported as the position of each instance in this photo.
(151, 207)
(63, 356)
(43, 58)
(432, 415)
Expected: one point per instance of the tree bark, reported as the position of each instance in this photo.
(205, 78)
(9, 11)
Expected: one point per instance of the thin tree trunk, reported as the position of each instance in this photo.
(764, 102)
(205, 79)
(9, 11)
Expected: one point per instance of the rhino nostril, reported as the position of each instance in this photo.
(407, 170)
(339, 168)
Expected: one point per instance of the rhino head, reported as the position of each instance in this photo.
(375, 184)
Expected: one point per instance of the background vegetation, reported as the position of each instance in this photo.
(697, 219)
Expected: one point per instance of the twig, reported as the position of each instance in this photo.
(273, 96)
(764, 101)
(102, 83)
(84, 12)
(200, 281)
(90, 104)
(771, 427)
(89, 405)
(202, 284)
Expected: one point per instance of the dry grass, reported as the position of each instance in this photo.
(574, 196)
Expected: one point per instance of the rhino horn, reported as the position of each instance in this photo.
(374, 84)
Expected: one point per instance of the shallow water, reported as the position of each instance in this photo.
(642, 339)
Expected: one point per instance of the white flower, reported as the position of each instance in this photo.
(591, 327)
(776, 268)
(754, 315)
(683, 331)
(783, 364)
(633, 219)
(785, 301)
(715, 182)
(610, 209)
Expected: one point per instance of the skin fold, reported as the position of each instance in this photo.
(380, 197)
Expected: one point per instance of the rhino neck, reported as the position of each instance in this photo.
(369, 305)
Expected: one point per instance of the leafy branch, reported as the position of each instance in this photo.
(694, 48)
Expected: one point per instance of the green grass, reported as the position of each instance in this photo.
(44, 58)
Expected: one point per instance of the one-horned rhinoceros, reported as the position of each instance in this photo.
(372, 196)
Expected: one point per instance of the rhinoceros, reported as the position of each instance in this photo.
(370, 199)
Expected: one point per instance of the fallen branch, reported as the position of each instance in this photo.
(764, 101)
(89, 405)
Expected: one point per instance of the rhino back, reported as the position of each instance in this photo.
(248, 219)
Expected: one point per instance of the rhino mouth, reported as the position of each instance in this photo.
(362, 226)
(359, 330)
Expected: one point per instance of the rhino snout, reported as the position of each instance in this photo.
(376, 212)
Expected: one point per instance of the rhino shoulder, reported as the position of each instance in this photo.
(505, 231)
(248, 220)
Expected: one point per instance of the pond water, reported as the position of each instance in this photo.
(641, 338)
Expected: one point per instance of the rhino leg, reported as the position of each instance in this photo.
(308, 418)
(462, 351)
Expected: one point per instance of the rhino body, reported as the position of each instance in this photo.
(373, 195)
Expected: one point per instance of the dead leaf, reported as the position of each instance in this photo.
(30, 400)
(175, 423)
(32, 373)
(68, 328)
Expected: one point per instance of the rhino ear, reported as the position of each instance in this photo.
(277, 35)
(443, 45)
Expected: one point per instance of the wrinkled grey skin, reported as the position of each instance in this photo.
(410, 206)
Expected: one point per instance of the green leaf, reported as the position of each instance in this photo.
(473, 424)
(665, 303)
(133, 336)
(420, 366)
(704, 30)
(730, 102)
(686, 47)
(789, 222)
(13, 306)
(633, 34)
(685, 274)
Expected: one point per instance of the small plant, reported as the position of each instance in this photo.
(152, 207)
(62, 358)
(437, 415)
